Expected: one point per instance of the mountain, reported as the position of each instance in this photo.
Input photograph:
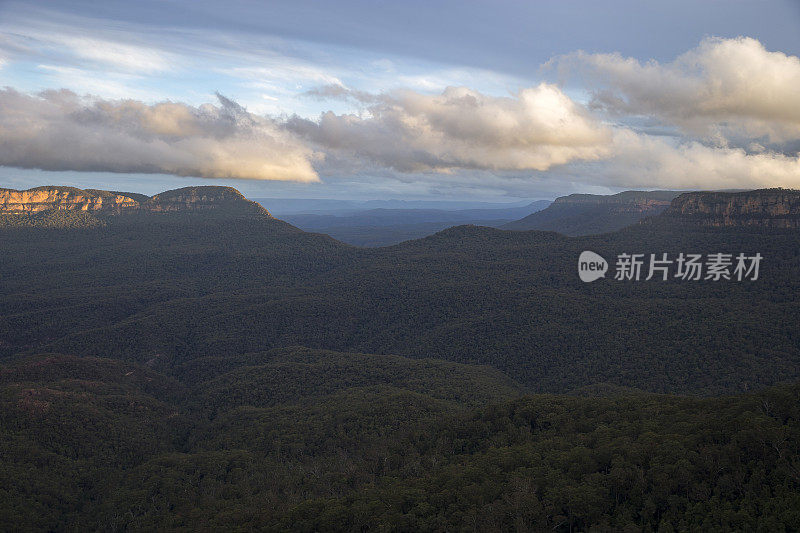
(384, 227)
(69, 198)
(768, 208)
(588, 214)
(102, 203)
(224, 199)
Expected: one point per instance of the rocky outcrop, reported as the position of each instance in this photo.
(207, 198)
(43, 198)
(769, 208)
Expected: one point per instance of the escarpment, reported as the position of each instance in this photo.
(69, 198)
(769, 208)
(647, 202)
(205, 198)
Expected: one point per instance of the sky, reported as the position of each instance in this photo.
(462, 100)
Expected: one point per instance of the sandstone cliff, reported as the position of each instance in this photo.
(70, 198)
(769, 208)
(204, 198)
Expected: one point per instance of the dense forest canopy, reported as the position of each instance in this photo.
(386, 443)
(198, 284)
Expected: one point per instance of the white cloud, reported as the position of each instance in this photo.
(649, 161)
(103, 84)
(726, 114)
(58, 130)
(126, 57)
(282, 69)
(538, 130)
(115, 51)
(462, 129)
(728, 88)
(728, 97)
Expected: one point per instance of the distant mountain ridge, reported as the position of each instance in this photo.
(382, 227)
(46, 198)
(625, 198)
(321, 206)
(587, 214)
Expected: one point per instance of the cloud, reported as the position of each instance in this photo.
(726, 114)
(736, 107)
(72, 46)
(58, 130)
(537, 134)
(340, 92)
(726, 88)
(535, 129)
(106, 84)
(648, 161)
(282, 69)
(123, 56)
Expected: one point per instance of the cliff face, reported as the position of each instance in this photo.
(43, 198)
(39, 199)
(769, 208)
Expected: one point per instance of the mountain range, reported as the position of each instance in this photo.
(383, 227)
(516, 291)
(191, 362)
(47, 198)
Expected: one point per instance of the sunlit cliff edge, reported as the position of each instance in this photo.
(108, 202)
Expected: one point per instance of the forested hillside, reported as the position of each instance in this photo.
(188, 284)
(206, 369)
(385, 443)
